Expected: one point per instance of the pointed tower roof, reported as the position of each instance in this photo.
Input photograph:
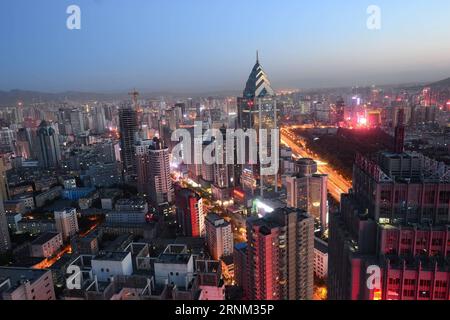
(258, 84)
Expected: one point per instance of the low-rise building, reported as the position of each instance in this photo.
(128, 211)
(111, 264)
(15, 206)
(49, 195)
(209, 280)
(88, 245)
(26, 284)
(28, 200)
(175, 266)
(68, 182)
(76, 194)
(47, 245)
(35, 226)
(13, 220)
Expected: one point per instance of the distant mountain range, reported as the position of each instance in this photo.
(27, 97)
(443, 84)
(11, 98)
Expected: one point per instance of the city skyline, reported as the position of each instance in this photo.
(166, 46)
(320, 173)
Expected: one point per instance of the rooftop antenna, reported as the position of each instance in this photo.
(257, 56)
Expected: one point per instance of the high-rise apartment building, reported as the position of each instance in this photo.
(219, 236)
(24, 143)
(224, 174)
(280, 256)
(191, 217)
(128, 128)
(99, 119)
(141, 150)
(5, 241)
(240, 266)
(49, 153)
(66, 222)
(4, 189)
(77, 121)
(307, 190)
(396, 219)
(153, 172)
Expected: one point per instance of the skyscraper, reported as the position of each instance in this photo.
(4, 192)
(224, 177)
(142, 166)
(49, 153)
(24, 144)
(280, 256)
(7, 139)
(99, 119)
(219, 236)
(128, 128)
(207, 169)
(257, 87)
(240, 266)
(307, 190)
(77, 121)
(340, 110)
(5, 241)
(160, 185)
(257, 109)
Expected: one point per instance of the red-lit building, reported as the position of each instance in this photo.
(396, 221)
(280, 256)
(190, 213)
(240, 266)
(397, 217)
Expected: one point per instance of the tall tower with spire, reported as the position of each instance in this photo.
(257, 110)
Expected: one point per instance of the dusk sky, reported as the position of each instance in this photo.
(209, 45)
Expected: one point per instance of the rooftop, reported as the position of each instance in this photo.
(134, 201)
(216, 220)
(112, 256)
(320, 245)
(45, 237)
(182, 258)
(17, 276)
